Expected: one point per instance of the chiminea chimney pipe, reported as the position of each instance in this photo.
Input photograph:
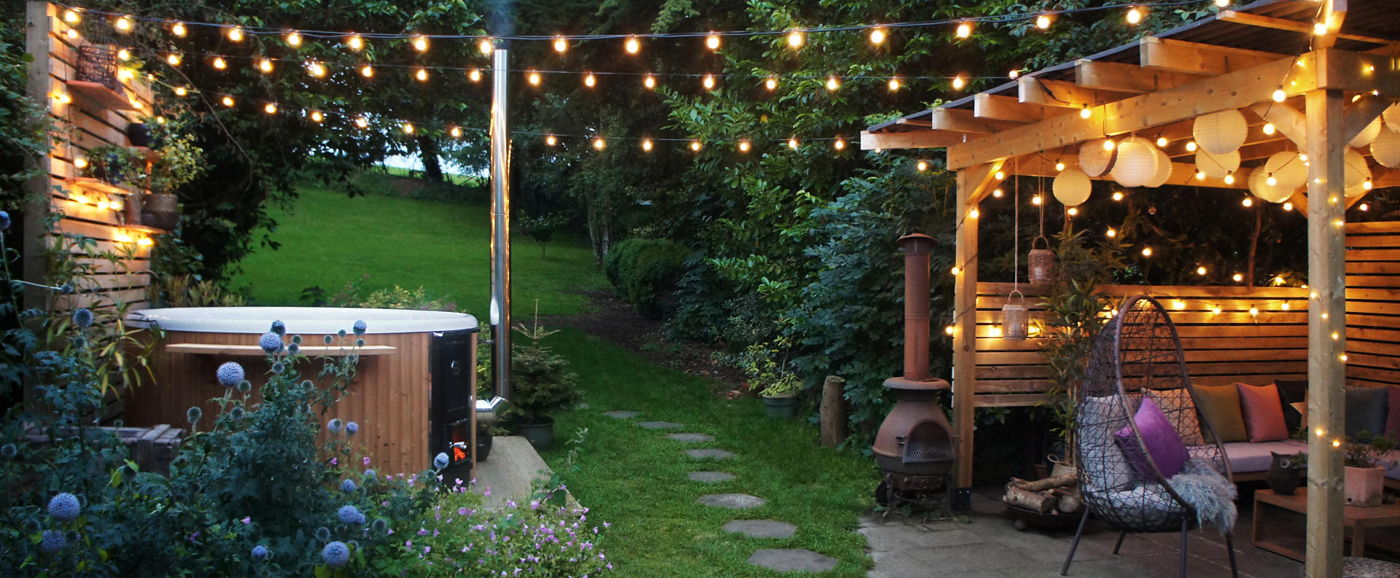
(917, 248)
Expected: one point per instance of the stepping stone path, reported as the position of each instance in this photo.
(761, 528)
(711, 477)
(660, 425)
(622, 414)
(709, 453)
(792, 560)
(731, 501)
(691, 437)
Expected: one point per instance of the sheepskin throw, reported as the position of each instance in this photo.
(1209, 494)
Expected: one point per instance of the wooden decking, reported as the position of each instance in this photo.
(509, 472)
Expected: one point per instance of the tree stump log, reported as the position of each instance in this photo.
(833, 412)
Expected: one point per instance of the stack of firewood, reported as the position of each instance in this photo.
(1052, 495)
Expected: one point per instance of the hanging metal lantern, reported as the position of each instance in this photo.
(1015, 319)
(1042, 262)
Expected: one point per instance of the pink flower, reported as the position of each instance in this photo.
(366, 460)
(247, 520)
(335, 461)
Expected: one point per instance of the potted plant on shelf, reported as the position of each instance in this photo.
(1365, 468)
(765, 364)
(541, 383)
(177, 162)
(112, 164)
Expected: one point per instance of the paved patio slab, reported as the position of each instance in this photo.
(709, 453)
(731, 501)
(711, 477)
(660, 425)
(622, 414)
(792, 560)
(692, 437)
(761, 528)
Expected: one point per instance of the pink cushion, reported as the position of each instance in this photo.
(1392, 420)
(1263, 413)
(1158, 437)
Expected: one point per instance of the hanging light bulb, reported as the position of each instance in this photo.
(922, 166)
(123, 24)
(361, 122)
(408, 128)
(235, 34)
(1147, 251)
(832, 83)
(367, 71)
(317, 117)
(1036, 200)
(633, 45)
(1269, 129)
(1085, 112)
(420, 43)
(647, 145)
(1222, 3)
(1363, 207)
(1201, 270)
(1108, 144)
(771, 83)
(878, 36)
(599, 143)
(123, 55)
(355, 42)
(708, 82)
(178, 29)
(795, 39)
(1133, 16)
(270, 108)
(181, 91)
(1247, 202)
(958, 82)
(589, 80)
(1238, 277)
(792, 143)
(550, 140)
(71, 16)
(474, 75)
(964, 30)
(997, 192)
(485, 46)
(839, 144)
(1288, 205)
(1230, 180)
(561, 45)
(293, 39)
(1271, 180)
(712, 41)
(1279, 95)
(1191, 146)
(219, 63)
(533, 77)
(264, 66)
(315, 69)
(649, 81)
(695, 146)
(1043, 21)
(455, 132)
(1072, 211)
(894, 84)
(227, 101)
(421, 75)
(1162, 142)
(174, 59)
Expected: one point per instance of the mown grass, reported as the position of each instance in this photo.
(329, 239)
(637, 479)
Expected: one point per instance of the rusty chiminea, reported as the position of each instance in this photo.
(914, 446)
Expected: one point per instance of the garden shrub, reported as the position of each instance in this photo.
(645, 272)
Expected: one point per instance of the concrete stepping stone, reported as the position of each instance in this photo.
(709, 453)
(691, 437)
(711, 477)
(622, 414)
(761, 528)
(792, 560)
(731, 501)
(660, 425)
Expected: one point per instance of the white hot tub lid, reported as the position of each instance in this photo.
(301, 320)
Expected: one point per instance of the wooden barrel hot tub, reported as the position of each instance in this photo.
(413, 395)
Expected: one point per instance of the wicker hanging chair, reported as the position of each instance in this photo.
(1136, 352)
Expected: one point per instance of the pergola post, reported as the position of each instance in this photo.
(973, 183)
(1327, 142)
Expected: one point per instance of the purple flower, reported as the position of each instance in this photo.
(82, 317)
(279, 328)
(334, 425)
(336, 554)
(260, 552)
(247, 520)
(270, 342)
(359, 327)
(440, 460)
(366, 460)
(348, 485)
(293, 349)
(52, 541)
(64, 507)
(349, 515)
(230, 374)
(369, 475)
(352, 428)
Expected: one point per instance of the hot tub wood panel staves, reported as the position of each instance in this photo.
(255, 351)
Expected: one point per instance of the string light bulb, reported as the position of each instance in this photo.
(1162, 142)
(355, 42)
(455, 132)
(1201, 270)
(744, 146)
(1230, 180)
(1108, 144)
(1237, 277)
(964, 30)
(181, 91)
(367, 71)
(795, 39)
(420, 43)
(1363, 207)
(421, 75)
(771, 83)
(1247, 202)
(361, 122)
(174, 59)
(647, 145)
(315, 69)
(792, 143)
(270, 108)
(633, 45)
(712, 41)
(997, 192)
(71, 16)
(561, 45)
(1133, 16)
(1043, 21)
(408, 128)
(1085, 112)
(599, 143)
(1072, 211)
(1269, 129)
(1222, 3)
(649, 82)
(893, 84)
(832, 83)
(1147, 251)
(921, 166)
(1013, 74)
(839, 144)
(1279, 95)
(550, 140)
(878, 36)
(958, 82)
(235, 34)
(1191, 146)
(589, 80)
(293, 39)
(264, 66)
(486, 46)
(123, 24)
(179, 29)
(708, 82)
(533, 77)
(474, 75)
(220, 63)
(695, 146)
(317, 117)
(1288, 205)
(123, 55)
(1036, 200)
(227, 101)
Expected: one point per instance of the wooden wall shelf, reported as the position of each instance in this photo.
(100, 94)
(92, 184)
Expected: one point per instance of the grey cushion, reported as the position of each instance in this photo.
(1103, 465)
(1366, 410)
(1246, 457)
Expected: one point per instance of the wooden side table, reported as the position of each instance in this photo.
(1358, 519)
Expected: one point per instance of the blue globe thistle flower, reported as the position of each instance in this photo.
(323, 534)
(279, 328)
(296, 339)
(359, 327)
(52, 541)
(328, 339)
(260, 552)
(245, 386)
(278, 368)
(270, 342)
(65, 507)
(342, 333)
(333, 425)
(380, 525)
(230, 374)
(348, 485)
(336, 554)
(440, 460)
(82, 317)
(359, 343)
(236, 413)
(66, 289)
(349, 515)
(4, 220)
(194, 414)
(352, 428)
(9, 451)
(293, 349)
(79, 342)
(369, 475)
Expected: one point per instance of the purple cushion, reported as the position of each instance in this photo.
(1160, 439)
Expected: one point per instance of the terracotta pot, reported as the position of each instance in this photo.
(1364, 485)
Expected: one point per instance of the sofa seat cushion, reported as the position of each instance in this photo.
(1247, 457)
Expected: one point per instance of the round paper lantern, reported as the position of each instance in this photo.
(1094, 159)
(1259, 185)
(1392, 117)
(1071, 187)
(1220, 132)
(1367, 135)
(1288, 170)
(1217, 166)
(1386, 148)
(1357, 173)
(1136, 163)
(1164, 169)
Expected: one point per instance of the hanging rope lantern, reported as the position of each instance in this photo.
(1015, 318)
(1042, 260)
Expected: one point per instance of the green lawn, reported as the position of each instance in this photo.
(330, 239)
(636, 478)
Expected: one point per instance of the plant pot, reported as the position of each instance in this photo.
(131, 209)
(1364, 485)
(160, 210)
(139, 134)
(781, 407)
(538, 431)
(483, 444)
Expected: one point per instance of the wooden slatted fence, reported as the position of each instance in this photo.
(1373, 303)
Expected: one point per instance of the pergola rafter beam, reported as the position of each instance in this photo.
(1121, 77)
(918, 139)
(1197, 58)
(963, 120)
(1063, 93)
(997, 107)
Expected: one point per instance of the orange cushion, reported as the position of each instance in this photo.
(1263, 413)
(1219, 406)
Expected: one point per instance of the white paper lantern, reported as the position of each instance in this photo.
(1357, 173)
(1386, 148)
(1259, 185)
(1288, 170)
(1220, 132)
(1164, 169)
(1094, 159)
(1367, 135)
(1392, 117)
(1217, 166)
(1071, 187)
(1136, 163)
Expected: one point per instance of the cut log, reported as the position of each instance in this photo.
(833, 413)
(1071, 502)
(1069, 479)
(1034, 501)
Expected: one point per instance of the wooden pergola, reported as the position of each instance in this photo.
(1318, 71)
